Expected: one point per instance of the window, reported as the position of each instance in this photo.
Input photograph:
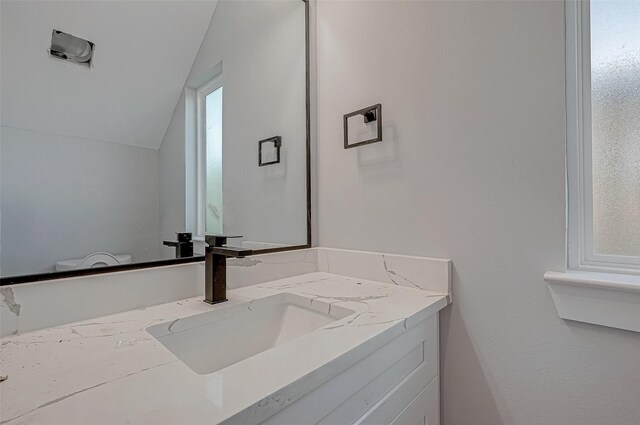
(603, 135)
(209, 112)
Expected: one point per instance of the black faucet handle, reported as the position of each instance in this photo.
(218, 240)
(183, 236)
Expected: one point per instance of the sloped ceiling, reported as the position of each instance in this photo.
(144, 51)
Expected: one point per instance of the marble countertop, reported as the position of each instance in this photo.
(110, 370)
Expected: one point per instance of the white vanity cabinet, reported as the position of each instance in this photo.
(397, 384)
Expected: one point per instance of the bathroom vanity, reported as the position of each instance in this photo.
(313, 348)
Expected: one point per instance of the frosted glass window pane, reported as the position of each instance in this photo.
(213, 109)
(615, 91)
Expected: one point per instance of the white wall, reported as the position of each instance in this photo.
(472, 169)
(260, 45)
(66, 197)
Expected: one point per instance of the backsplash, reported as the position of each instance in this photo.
(38, 305)
(431, 274)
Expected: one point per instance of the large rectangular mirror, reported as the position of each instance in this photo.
(124, 123)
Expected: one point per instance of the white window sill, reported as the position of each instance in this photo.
(600, 298)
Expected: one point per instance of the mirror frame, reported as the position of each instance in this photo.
(38, 277)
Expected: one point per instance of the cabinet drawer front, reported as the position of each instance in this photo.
(394, 402)
(349, 411)
(412, 359)
(424, 409)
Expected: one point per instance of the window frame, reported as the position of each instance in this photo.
(580, 252)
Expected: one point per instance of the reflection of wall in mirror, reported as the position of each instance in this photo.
(64, 197)
(79, 146)
(261, 45)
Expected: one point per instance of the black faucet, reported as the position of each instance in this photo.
(215, 264)
(184, 245)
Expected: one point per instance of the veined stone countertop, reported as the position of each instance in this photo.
(110, 370)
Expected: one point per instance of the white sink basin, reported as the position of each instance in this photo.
(211, 341)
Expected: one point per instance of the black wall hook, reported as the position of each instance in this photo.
(369, 116)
